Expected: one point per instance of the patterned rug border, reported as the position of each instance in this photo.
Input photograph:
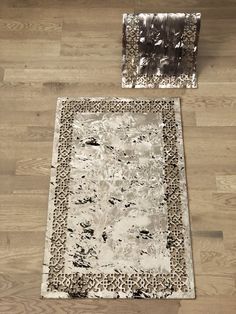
(130, 54)
(55, 283)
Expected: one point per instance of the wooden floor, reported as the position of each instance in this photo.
(51, 48)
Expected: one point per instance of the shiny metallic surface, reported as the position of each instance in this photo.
(160, 50)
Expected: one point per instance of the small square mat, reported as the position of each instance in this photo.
(160, 50)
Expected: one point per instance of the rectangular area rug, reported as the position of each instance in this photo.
(118, 221)
(160, 50)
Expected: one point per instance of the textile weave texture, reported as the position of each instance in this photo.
(160, 50)
(118, 221)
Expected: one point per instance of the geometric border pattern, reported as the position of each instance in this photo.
(177, 283)
(130, 76)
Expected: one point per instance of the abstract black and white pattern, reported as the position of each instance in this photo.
(160, 50)
(118, 223)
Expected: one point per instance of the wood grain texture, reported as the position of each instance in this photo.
(73, 48)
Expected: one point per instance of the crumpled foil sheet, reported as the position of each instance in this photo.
(160, 50)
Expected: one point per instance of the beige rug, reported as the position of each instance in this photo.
(118, 222)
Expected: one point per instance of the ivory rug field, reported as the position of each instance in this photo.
(118, 222)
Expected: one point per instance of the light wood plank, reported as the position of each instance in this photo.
(73, 48)
(226, 183)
